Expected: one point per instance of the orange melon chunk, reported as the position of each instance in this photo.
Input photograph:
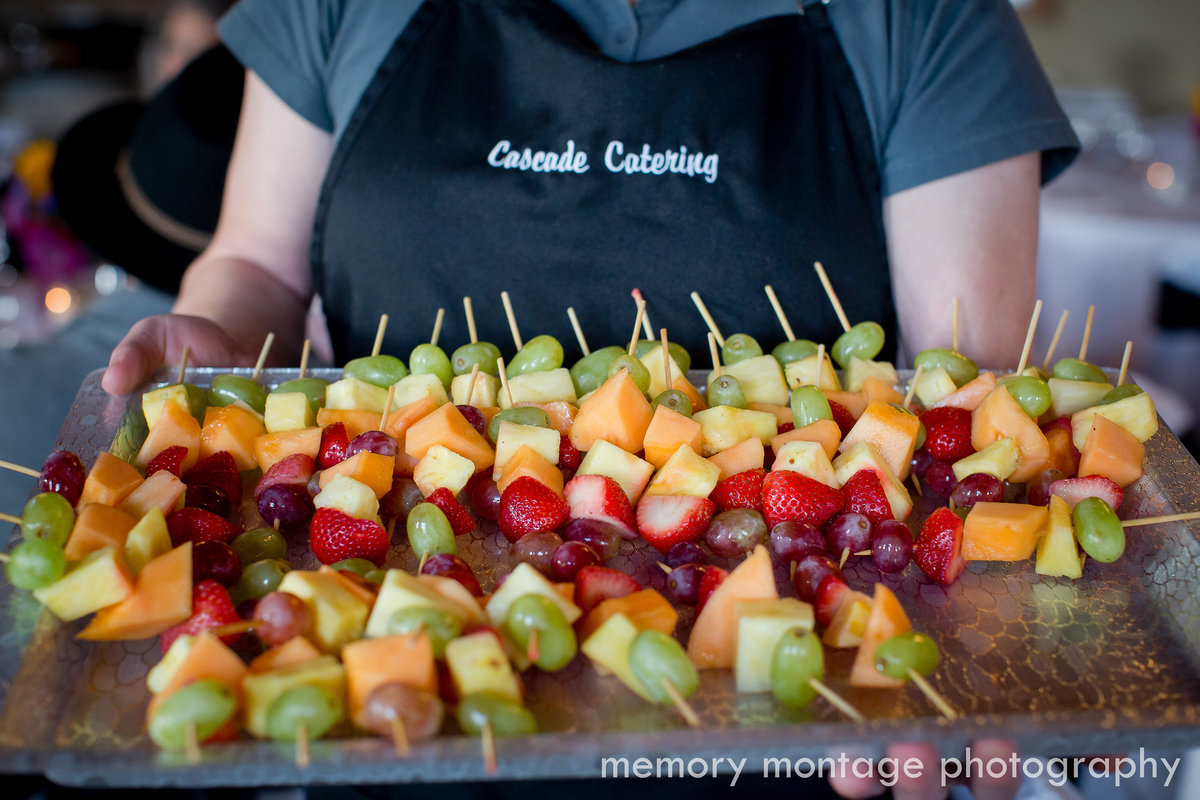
(749, 454)
(824, 432)
(448, 427)
(234, 430)
(296, 650)
(560, 413)
(1002, 531)
(1111, 451)
(1062, 453)
(161, 490)
(877, 389)
(110, 481)
(356, 420)
(667, 431)
(98, 526)
(782, 413)
(892, 432)
(174, 427)
(970, 394)
(274, 447)
(370, 663)
(684, 385)
(617, 412)
(162, 597)
(1000, 416)
(365, 467)
(713, 642)
(647, 610)
(887, 619)
(527, 462)
(854, 402)
(403, 418)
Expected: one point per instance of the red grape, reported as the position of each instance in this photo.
(290, 505)
(920, 462)
(474, 417)
(848, 531)
(451, 566)
(1039, 488)
(810, 571)
(940, 478)
(215, 560)
(537, 549)
(570, 557)
(683, 583)
(735, 532)
(402, 498)
(209, 498)
(603, 537)
(376, 442)
(281, 616)
(792, 540)
(978, 487)
(420, 712)
(63, 472)
(891, 546)
(485, 497)
(686, 553)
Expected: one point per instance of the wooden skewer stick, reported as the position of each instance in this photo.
(934, 697)
(470, 320)
(916, 482)
(783, 320)
(383, 323)
(1033, 321)
(400, 738)
(954, 325)
(5, 558)
(531, 649)
(262, 356)
(1137, 523)
(833, 298)
(191, 741)
(512, 319)
(33, 473)
(1087, 333)
(646, 326)
(820, 365)
(637, 327)
(1125, 362)
(304, 353)
(845, 557)
(471, 385)
(504, 380)
(716, 354)
(421, 565)
(666, 353)
(663, 566)
(708, 320)
(685, 710)
(836, 700)
(387, 406)
(241, 626)
(437, 327)
(578, 331)
(490, 764)
(792, 570)
(303, 756)
(863, 553)
(183, 362)
(1062, 322)
(912, 386)
(10, 518)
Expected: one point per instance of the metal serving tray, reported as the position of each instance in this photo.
(1098, 665)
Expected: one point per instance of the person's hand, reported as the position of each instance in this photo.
(928, 784)
(160, 340)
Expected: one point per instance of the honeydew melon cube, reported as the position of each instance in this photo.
(264, 688)
(761, 625)
(723, 427)
(523, 580)
(630, 472)
(864, 456)
(412, 388)
(653, 361)
(761, 378)
(685, 473)
(339, 616)
(289, 411)
(401, 590)
(512, 436)
(486, 387)
(350, 497)
(807, 458)
(608, 648)
(1057, 551)
(546, 386)
(147, 540)
(1067, 397)
(860, 369)
(442, 468)
(807, 372)
(1135, 414)
(934, 385)
(1000, 458)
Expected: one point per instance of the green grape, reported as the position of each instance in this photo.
(681, 357)
(592, 370)
(314, 708)
(960, 368)
(864, 340)
(655, 657)
(429, 359)
(798, 658)
(674, 400)
(726, 391)
(376, 576)
(1098, 530)
(1072, 369)
(1120, 393)
(381, 371)
(485, 354)
(312, 388)
(521, 415)
(227, 389)
(740, 347)
(1031, 394)
(507, 717)
(205, 705)
(637, 370)
(896, 656)
(259, 578)
(48, 516)
(787, 352)
(809, 405)
(429, 531)
(359, 566)
(540, 354)
(35, 563)
(922, 434)
(1033, 371)
(258, 544)
(438, 624)
(556, 644)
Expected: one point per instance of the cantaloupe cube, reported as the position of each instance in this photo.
(685, 473)
(527, 463)
(667, 431)
(854, 402)
(630, 472)
(970, 394)
(647, 610)
(806, 372)
(1000, 416)
(162, 597)
(745, 455)
(288, 411)
(807, 458)
(109, 481)
(1113, 452)
(723, 427)
(295, 650)
(876, 390)
(783, 414)
(446, 426)
(713, 642)
(512, 436)
(617, 412)
(442, 468)
(370, 663)
(561, 415)
(891, 431)
(825, 432)
(162, 490)
(174, 426)
(544, 386)
(356, 421)
(234, 430)
(1002, 531)
(1135, 414)
(98, 526)
(486, 387)
(365, 467)
(1063, 455)
(205, 657)
(887, 620)
(271, 448)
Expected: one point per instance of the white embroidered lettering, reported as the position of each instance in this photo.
(645, 162)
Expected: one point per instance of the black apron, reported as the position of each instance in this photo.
(497, 148)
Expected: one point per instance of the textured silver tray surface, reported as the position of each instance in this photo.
(1098, 665)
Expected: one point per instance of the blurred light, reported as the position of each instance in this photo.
(1160, 176)
(8, 275)
(108, 279)
(10, 308)
(58, 300)
(1135, 145)
(9, 339)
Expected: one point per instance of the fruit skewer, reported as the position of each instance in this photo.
(1029, 332)
(379, 332)
(649, 329)
(575, 326)
(832, 295)
(262, 357)
(1058, 329)
(305, 351)
(512, 320)
(1125, 363)
(783, 320)
(708, 319)
(8, 465)
(1087, 333)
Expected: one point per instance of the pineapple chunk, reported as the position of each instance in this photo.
(161, 673)
(653, 362)
(807, 458)
(339, 616)
(486, 387)
(848, 624)
(350, 497)
(401, 590)
(724, 427)
(100, 579)
(934, 385)
(351, 393)
(1000, 458)
(608, 648)
(522, 581)
(630, 472)
(805, 372)
(264, 688)
(685, 473)
(761, 624)
(412, 388)
(761, 379)
(154, 401)
(546, 386)
(1067, 397)
(511, 436)
(1135, 414)
(864, 456)
(1057, 552)
(477, 663)
(289, 411)
(440, 468)
(147, 540)
(860, 369)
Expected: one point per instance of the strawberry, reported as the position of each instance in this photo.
(842, 416)
(594, 584)
(600, 497)
(211, 608)
(666, 520)
(830, 594)
(713, 577)
(294, 470)
(790, 495)
(1075, 489)
(334, 443)
(938, 549)
(568, 456)
(335, 536)
(948, 433)
(226, 733)
(460, 519)
(786, 427)
(197, 525)
(218, 470)
(743, 490)
(527, 505)
(864, 495)
(170, 459)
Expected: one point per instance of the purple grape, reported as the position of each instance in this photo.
(978, 487)
(485, 497)
(920, 462)
(848, 531)
(314, 483)
(402, 498)
(1039, 488)
(537, 549)
(474, 417)
(63, 472)
(210, 498)
(215, 560)
(810, 571)
(376, 442)
(451, 566)
(734, 533)
(683, 583)
(569, 558)
(792, 540)
(1011, 491)
(891, 546)
(603, 537)
(290, 505)
(686, 553)
(940, 478)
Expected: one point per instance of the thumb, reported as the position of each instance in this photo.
(135, 357)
